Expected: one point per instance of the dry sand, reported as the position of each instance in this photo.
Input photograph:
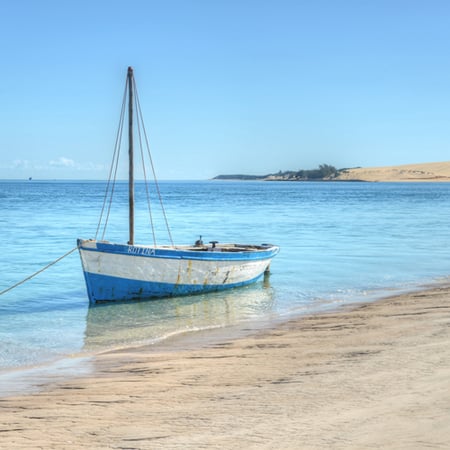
(438, 171)
(377, 376)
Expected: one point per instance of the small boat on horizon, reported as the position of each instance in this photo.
(122, 272)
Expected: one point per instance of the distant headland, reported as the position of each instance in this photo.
(431, 172)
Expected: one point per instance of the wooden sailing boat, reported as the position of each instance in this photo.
(120, 272)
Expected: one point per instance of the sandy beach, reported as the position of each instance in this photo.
(374, 376)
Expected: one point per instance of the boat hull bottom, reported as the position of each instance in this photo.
(104, 288)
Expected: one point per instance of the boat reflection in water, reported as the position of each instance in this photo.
(149, 322)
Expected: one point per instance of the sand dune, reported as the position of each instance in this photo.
(437, 171)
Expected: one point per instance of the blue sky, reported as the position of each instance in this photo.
(232, 86)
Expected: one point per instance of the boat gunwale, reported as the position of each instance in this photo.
(252, 252)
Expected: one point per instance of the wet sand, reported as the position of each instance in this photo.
(375, 376)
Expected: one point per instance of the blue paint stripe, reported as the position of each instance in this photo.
(146, 252)
(107, 288)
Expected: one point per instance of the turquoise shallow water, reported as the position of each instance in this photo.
(340, 243)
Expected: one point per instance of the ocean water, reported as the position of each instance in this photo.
(340, 243)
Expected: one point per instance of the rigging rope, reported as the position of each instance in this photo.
(38, 272)
(109, 191)
(163, 210)
(144, 171)
(111, 184)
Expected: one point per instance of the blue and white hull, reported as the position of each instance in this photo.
(117, 272)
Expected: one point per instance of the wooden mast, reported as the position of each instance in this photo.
(130, 155)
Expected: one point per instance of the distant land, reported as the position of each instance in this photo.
(437, 171)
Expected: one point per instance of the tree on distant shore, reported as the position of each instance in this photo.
(325, 171)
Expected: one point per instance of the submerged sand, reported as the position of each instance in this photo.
(377, 376)
(431, 172)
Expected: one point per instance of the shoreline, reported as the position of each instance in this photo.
(432, 172)
(368, 375)
(33, 378)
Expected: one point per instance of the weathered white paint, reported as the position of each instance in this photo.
(173, 271)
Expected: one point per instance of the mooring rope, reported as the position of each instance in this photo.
(38, 272)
